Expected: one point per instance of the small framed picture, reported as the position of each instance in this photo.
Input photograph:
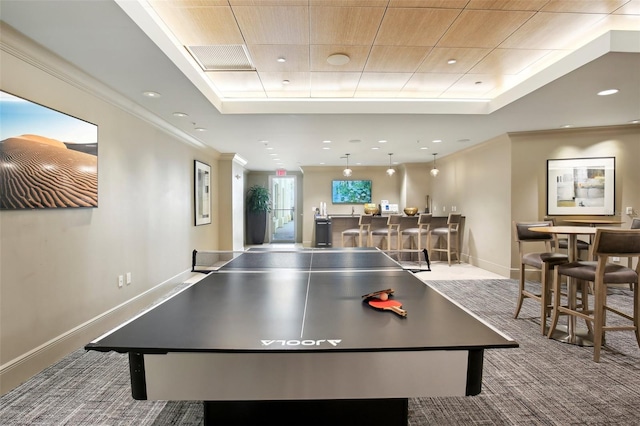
(202, 192)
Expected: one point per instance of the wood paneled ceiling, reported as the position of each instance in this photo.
(401, 49)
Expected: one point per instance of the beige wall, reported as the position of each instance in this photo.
(317, 189)
(531, 150)
(59, 267)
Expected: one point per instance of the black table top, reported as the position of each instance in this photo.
(284, 301)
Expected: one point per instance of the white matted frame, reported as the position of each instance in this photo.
(202, 192)
(581, 186)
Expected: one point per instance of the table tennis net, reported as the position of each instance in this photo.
(207, 261)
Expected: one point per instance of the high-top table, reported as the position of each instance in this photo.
(571, 334)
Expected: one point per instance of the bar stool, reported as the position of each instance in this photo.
(393, 228)
(424, 223)
(450, 235)
(544, 261)
(608, 243)
(364, 227)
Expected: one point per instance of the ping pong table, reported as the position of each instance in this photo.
(284, 337)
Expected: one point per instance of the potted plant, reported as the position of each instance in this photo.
(258, 205)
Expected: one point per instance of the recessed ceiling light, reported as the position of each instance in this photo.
(375, 147)
(608, 92)
(150, 94)
(451, 61)
(281, 59)
(634, 121)
(180, 114)
(200, 129)
(338, 59)
(436, 140)
(327, 141)
(464, 140)
(566, 126)
(423, 147)
(326, 147)
(382, 141)
(285, 82)
(355, 141)
(269, 148)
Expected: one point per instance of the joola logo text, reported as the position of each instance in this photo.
(332, 342)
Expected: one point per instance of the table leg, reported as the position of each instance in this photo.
(570, 333)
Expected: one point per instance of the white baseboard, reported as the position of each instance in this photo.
(25, 366)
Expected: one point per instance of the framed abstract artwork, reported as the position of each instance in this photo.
(202, 192)
(581, 186)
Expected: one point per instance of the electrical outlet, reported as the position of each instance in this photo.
(128, 278)
(629, 210)
(120, 280)
(615, 259)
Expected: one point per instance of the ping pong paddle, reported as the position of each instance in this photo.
(389, 291)
(388, 305)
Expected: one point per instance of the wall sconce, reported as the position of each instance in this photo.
(434, 171)
(347, 172)
(390, 170)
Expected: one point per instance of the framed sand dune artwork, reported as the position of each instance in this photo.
(48, 159)
(581, 186)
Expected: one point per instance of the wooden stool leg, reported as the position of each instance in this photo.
(520, 292)
(556, 303)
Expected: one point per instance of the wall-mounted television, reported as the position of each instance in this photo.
(350, 191)
(48, 159)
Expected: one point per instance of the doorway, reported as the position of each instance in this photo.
(283, 213)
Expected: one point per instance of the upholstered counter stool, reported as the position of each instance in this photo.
(392, 229)
(417, 234)
(544, 261)
(450, 235)
(364, 228)
(607, 243)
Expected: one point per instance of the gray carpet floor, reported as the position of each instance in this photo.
(543, 382)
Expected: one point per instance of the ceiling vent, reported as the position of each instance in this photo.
(232, 57)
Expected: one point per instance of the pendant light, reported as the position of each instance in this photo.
(390, 170)
(434, 171)
(347, 172)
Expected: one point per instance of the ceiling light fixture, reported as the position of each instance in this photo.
(390, 170)
(338, 59)
(451, 61)
(285, 82)
(151, 94)
(281, 59)
(200, 129)
(434, 171)
(608, 92)
(347, 171)
(180, 114)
